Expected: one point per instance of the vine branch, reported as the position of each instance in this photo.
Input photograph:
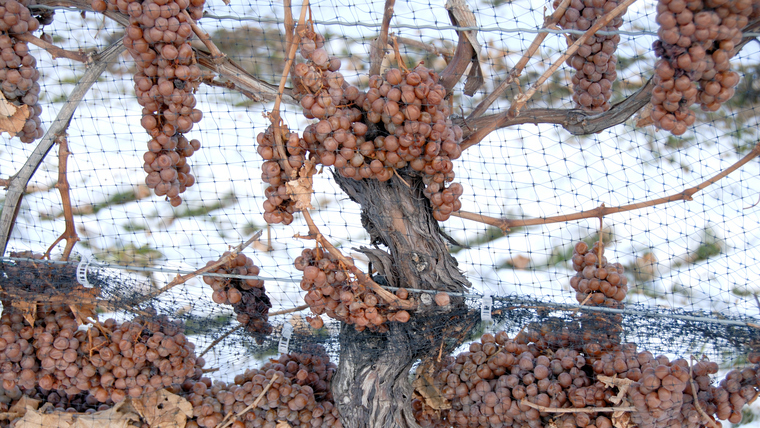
(216, 54)
(377, 51)
(239, 326)
(181, 279)
(70, 233)
(54, 50)
(685, 195)
(515, 73)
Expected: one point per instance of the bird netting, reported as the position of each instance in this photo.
(507, 213)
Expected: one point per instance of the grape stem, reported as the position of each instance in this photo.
(377, 51)
(178, 280)
(694, 390)
(521, 99)
(514, 74)
(54, 50)
(216, 54)
(232, 417)
(574, 410)
(239, 326)
(364, 279)
(686, 195)
(275, 116)
(70, 233)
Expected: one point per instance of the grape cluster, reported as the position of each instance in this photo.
(136, 358)
(58, 362)
(299, 396)
(490, 385)
(332, 290)
(247, 296)
(18, 68)
(696, 41)
(279, 206)
(594, 61)
(604, 282)
(402, 120)
(158, 38)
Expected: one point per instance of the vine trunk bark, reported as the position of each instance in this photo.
(372, 386)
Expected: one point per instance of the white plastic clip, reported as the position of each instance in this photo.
(82, 272)
(486, 304)
(287, 332)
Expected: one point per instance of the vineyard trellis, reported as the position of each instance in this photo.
(496, 213)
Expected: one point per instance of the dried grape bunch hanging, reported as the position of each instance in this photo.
(300, 395)
(594, 61)
(247, 296)
(18, 68)
(697, 40)
(158, 38)
(279, 206)
(332, 290)
(597, 282)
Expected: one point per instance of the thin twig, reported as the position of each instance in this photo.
(231, 417)
(220, 338)
(401, 178)
(574, 410)
(288, 311)
(516, 71)
(442, 52)
(521, 99)
(694, 390)
(54, 50)
(377, 51)
(70, 233)
(364, 279)
(275, 116)
(239, 326)
(178, 280)
(216, 54)
(686, 195)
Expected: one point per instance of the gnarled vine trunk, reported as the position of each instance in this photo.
(372, 386)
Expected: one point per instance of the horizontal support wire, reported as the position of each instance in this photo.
(512, 300)
(439, 27)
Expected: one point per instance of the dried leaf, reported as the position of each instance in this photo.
(21, 405)
(644, 117)
(622, 420)
(116, 417)
(300, 189)
(519, 261)
(119, 416)
(28, 310)
(45, 417)
(162, 409)
(461, 15)
(425, 385)
(12, 117)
